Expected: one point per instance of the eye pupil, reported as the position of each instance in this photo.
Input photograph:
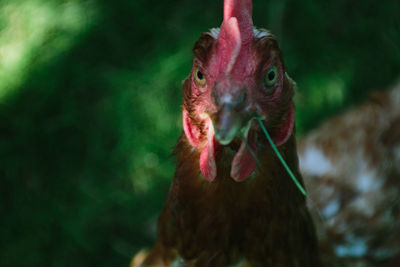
(200, 79)
(271, 75)
(200, 75)
(271, 78)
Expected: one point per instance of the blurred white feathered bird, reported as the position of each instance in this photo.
(351, 167)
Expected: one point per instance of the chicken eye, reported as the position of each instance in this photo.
(271, 77)
(199, 78)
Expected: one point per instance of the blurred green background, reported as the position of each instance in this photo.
(90, 95)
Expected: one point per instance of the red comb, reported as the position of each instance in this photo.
(242, 11)
(236, 34)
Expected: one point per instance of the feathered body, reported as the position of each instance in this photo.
(351, 165)
(260, 222)
(231, 202)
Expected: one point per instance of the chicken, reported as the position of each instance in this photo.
(351, 165)
(231, 201)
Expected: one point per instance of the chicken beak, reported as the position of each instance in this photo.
(227, 124)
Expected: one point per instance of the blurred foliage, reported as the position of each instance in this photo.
(90, 108)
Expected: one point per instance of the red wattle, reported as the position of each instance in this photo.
(244, 163)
